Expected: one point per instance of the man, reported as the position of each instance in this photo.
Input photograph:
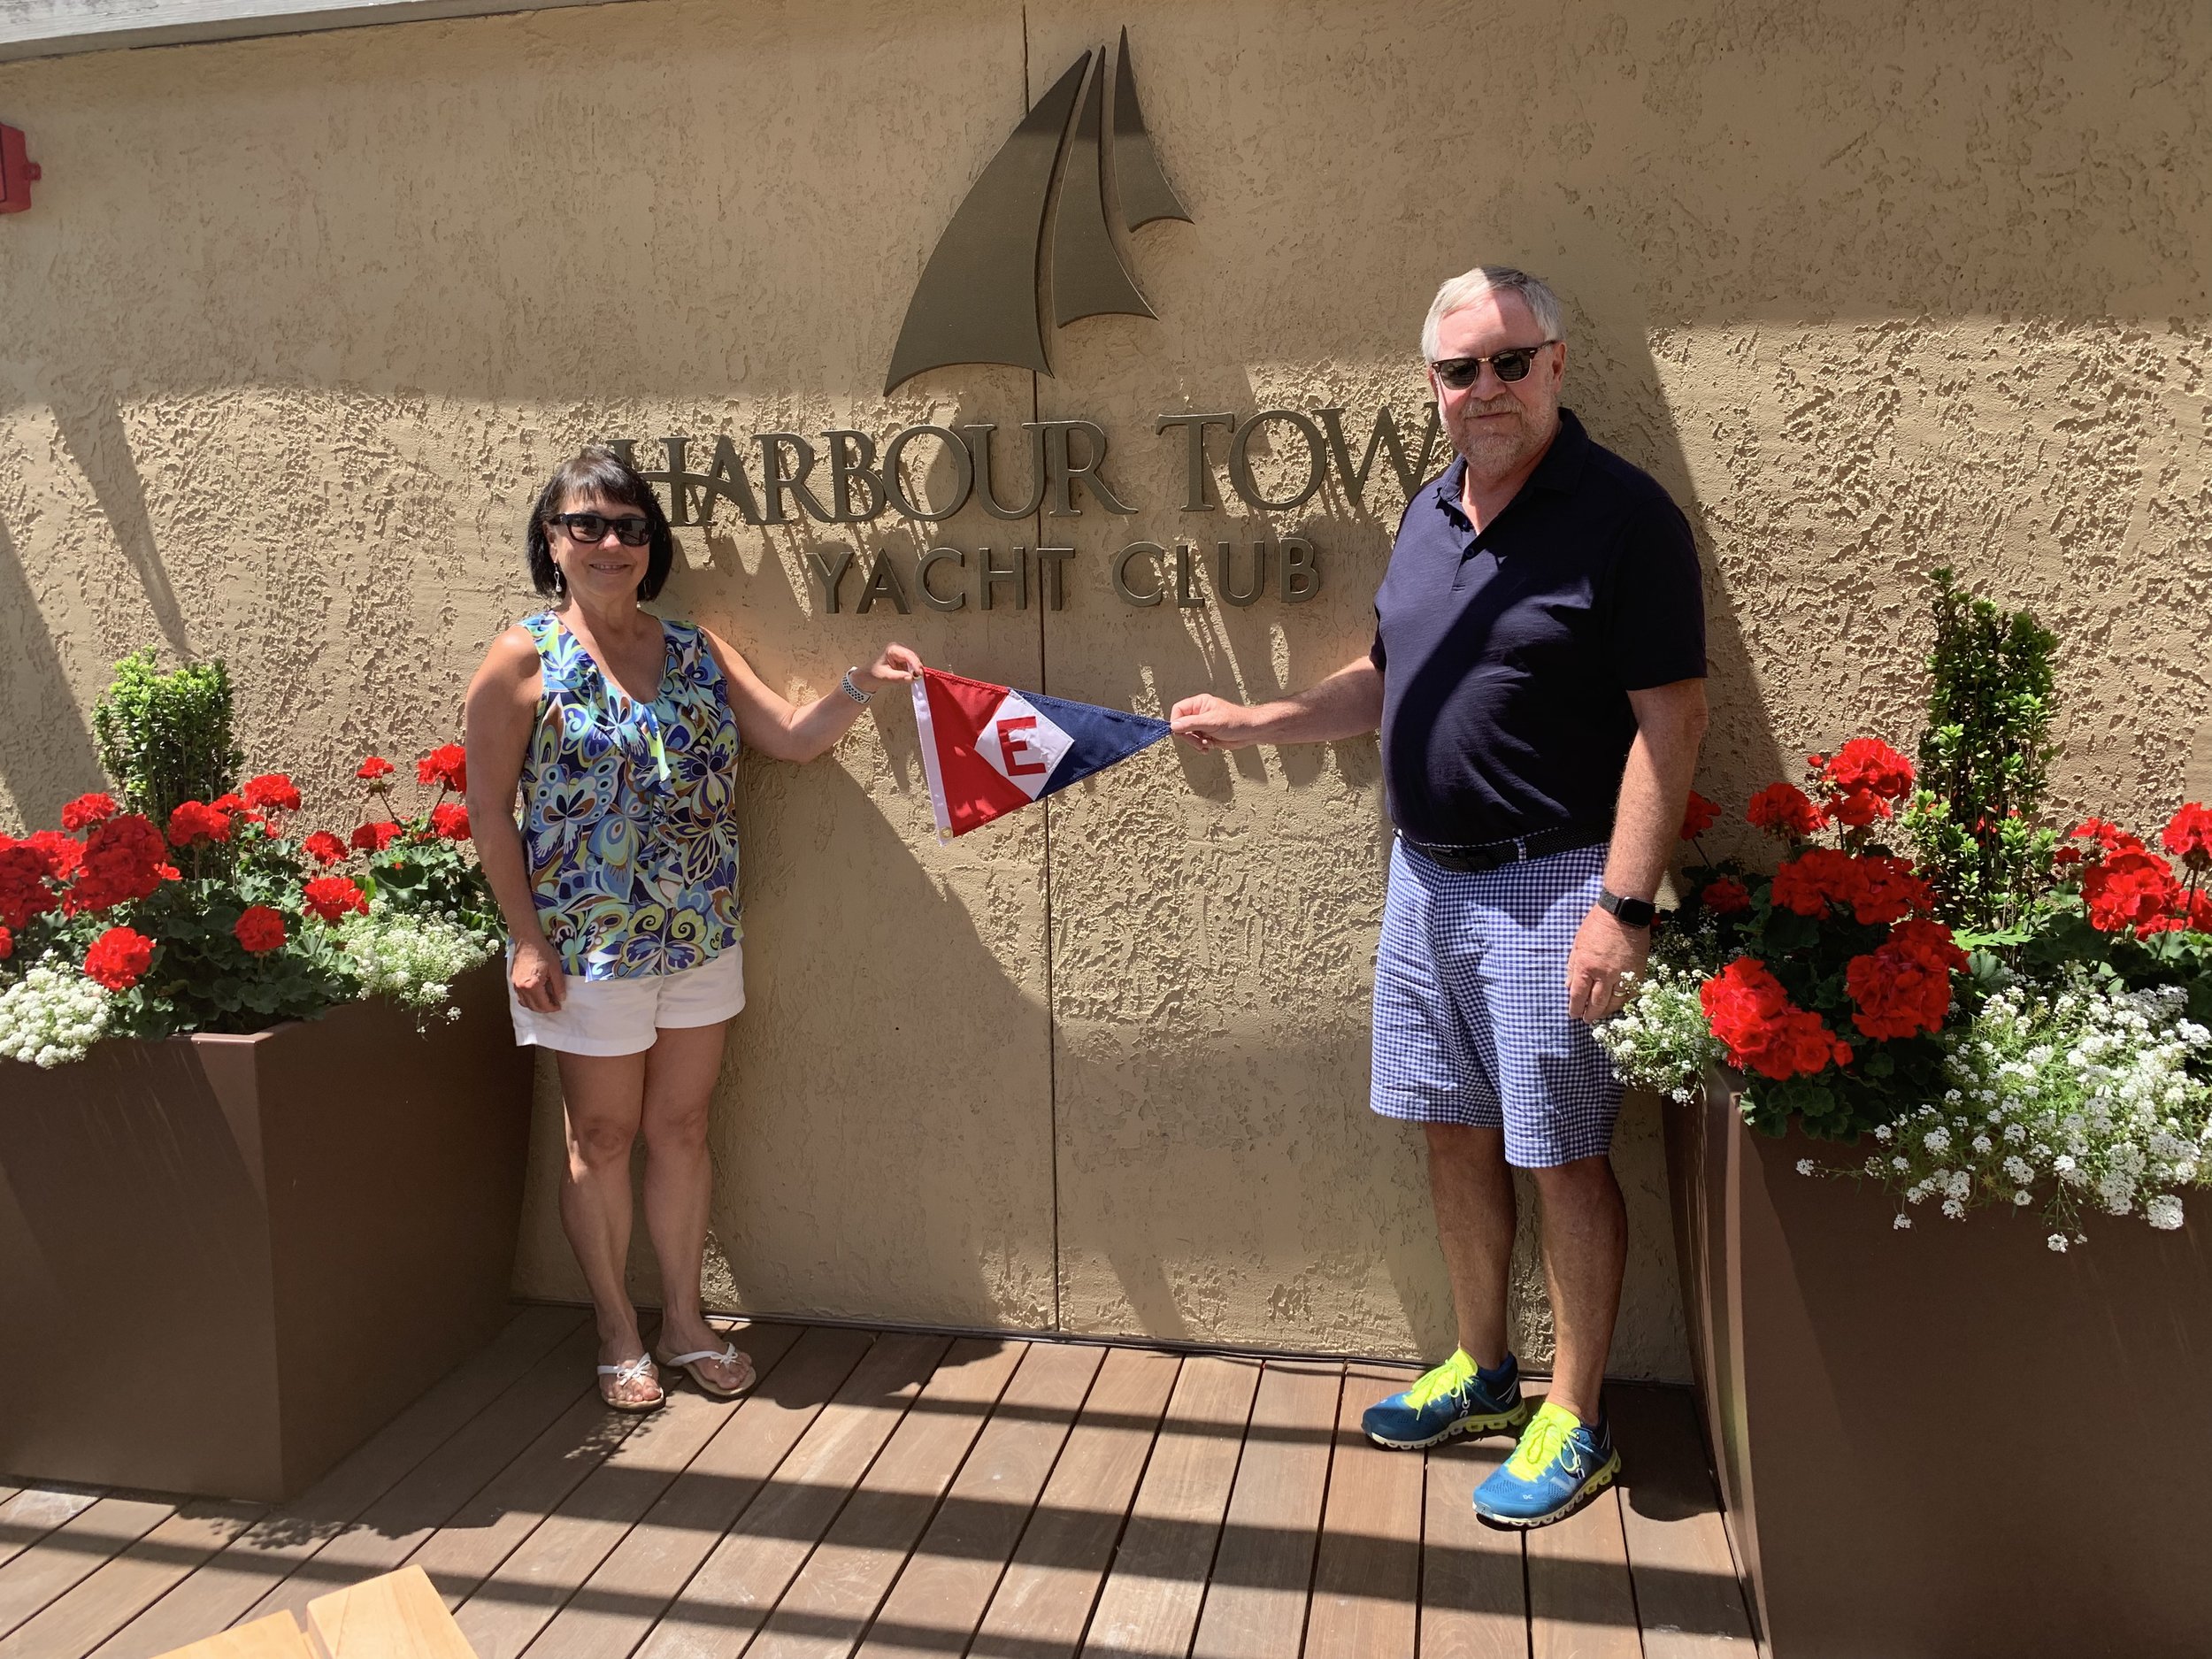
(1537, 674)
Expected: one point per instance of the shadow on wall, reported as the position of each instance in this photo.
(94, 436)
(46, 750)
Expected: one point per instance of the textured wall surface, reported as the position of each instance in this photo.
(296, 326)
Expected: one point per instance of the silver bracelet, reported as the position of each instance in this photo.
(854, 692)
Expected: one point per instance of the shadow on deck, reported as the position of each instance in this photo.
(903, 1493)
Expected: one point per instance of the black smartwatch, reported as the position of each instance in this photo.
(1627, 912)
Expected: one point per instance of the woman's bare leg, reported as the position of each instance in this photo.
(680, 1069)
(604, 1097)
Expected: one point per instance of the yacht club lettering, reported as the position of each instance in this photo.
(1038, 470)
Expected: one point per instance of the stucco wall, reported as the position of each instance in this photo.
(296, 326)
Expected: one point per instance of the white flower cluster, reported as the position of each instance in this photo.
(52, 1016)
(410, 957)
(1660, 1040)
(2086, 1096)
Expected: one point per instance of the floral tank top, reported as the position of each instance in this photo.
(625, 810)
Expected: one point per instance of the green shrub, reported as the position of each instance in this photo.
(1985, 761)
(166, 738)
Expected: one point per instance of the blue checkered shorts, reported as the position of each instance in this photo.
(1470, 1005)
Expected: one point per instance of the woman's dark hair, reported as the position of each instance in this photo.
(596, 470)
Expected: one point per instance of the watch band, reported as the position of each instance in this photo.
(854, 692)
(1628, 912)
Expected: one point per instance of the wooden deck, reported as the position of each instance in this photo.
(922, 1496)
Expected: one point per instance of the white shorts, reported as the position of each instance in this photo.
(604, 1016)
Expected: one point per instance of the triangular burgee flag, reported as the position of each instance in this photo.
(990, 749)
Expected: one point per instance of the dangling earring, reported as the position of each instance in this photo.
(560, 582)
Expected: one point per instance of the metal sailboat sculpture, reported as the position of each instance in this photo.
(980, 299)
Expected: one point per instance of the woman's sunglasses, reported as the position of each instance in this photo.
(1459, 373)
(590, 528)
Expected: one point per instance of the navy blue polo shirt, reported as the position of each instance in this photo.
(1508, 657)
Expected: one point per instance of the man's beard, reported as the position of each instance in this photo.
(1493, 448)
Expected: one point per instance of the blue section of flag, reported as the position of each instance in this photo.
(1102, 736)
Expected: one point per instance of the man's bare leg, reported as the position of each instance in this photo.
(1472, 1192)
(1585, 1249)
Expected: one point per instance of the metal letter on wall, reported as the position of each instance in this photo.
(980, 299)
(1088, 278)
(1145, 194)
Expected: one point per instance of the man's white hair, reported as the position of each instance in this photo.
(1463, 290)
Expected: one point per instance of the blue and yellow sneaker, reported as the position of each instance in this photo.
(1456, 1398)
(1559, 1466)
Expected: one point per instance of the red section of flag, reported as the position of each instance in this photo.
(975, 793)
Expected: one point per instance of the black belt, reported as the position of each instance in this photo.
(1491, 855)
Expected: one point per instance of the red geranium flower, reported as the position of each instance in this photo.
(1903, 986)
(450, 819)
(374, 838)
(1808, 883)
(2200, 913)
(260, 929)
(119, 958)
(1882, 889)
(23, 890)
(2063, 857)
(1856, 809)
(374, 768)
(124, 861)
(7, 944)
(331, 897)
(324, 848)
(2130, 889)
(64, 854)
(195, 821)
(1699, 817)
(447, 764)
(2107, 835)
(272, 791)
(87, 810)
(1726, 895)
(1782, 808)
(2188, 836)
(1866, 765)
(1763, 1030)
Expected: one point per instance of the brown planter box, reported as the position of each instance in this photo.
(226, 1260)
(1949, 1441)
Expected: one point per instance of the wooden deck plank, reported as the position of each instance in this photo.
(827, 1610)
(1689, 1600)
(1263, 1577)
(31, 1512)
(72, 1553)
(618, 1604)
(1044, 1601)
(126, 1586)
(1151, 1601)
(1367, 1577)
(493, 1524)
(1580, 1603)
(1474, 1589)
(947, 1585)
(267, 1552)
(403, 1520)
(734, 1590)
(506, 1613)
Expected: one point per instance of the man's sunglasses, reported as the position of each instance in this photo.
(1459, 373)
(590, 528)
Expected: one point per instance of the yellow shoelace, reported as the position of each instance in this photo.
(1546, 1436)
(1450, 1377)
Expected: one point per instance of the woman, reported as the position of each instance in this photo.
(619, 889)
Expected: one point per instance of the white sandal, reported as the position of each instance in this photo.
(688, 1364)
(624, 1375)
